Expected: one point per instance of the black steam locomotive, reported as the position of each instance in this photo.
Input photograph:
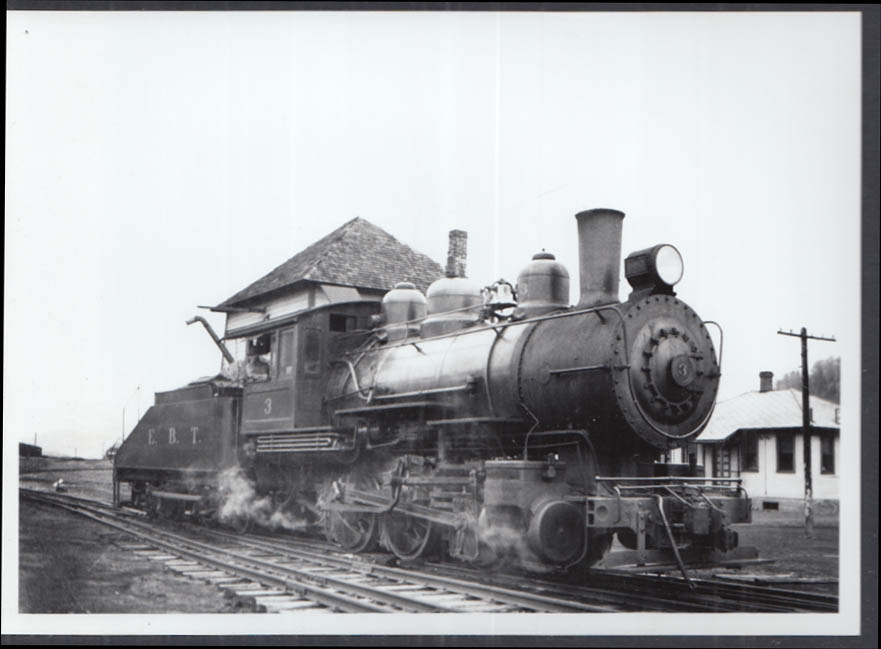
(486, 423)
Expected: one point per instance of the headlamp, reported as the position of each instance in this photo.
(659, 268)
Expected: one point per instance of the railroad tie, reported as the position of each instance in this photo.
(258, 592)
(293, 605)
(231, 589)
(178, 564)
(206, 575)
(268, 602)
(222, 581)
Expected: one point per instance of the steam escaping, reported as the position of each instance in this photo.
(240, 501)
(507, 543)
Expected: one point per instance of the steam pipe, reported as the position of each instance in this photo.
(223, 350)
(599, 255)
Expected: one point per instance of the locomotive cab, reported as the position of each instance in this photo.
(289, 397)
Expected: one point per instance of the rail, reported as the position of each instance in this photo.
(290, 573)
(334, 582)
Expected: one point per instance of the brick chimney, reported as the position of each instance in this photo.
(457, 253)
(766, 381)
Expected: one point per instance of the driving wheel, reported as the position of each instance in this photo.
(407, 536)
(355, 531)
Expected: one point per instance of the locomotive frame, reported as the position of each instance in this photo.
(488, 428)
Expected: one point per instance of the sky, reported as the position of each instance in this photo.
(160, 161)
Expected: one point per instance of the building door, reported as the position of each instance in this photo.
(722, 462)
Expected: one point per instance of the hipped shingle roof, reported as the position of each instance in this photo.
(357, 254)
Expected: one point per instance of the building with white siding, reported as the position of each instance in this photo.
(757, 436)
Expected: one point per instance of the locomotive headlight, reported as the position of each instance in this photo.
(668, 263)
(658, 268)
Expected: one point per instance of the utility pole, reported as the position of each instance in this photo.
(806, 424)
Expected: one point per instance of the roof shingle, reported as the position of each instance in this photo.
(772, 409)
(356, 254)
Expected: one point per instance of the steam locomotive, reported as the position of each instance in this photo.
(487, 423)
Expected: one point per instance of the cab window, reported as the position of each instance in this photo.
(286, 354)
(258, 360)
(340, 322)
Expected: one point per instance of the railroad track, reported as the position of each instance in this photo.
(668, 593)
(614, 590)
(281, 579)
(285, 574)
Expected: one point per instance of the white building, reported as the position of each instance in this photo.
(757, 436)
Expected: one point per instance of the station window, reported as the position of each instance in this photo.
(785, 453)
(827, 455)
(750, 452)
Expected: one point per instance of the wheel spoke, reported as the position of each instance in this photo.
(354, 531)
(408, 537)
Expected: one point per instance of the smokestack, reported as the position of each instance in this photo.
(766, 381)
(457, 253)
(599, 253)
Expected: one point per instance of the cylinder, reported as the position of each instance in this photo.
(599, 255)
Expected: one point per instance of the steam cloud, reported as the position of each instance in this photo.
(508, 545)
(240, 499)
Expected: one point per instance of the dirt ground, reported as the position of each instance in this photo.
(69, 564)
(812, 561)
(87, 478)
